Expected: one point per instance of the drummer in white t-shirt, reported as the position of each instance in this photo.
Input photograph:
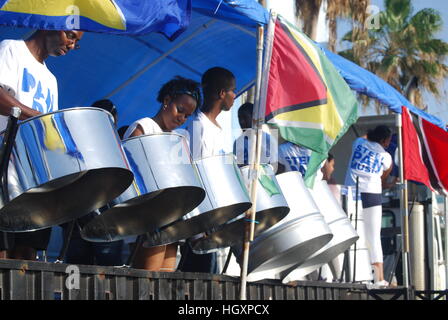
(371, 164)
(26, 83)
(206, 139)
(292, 157)
(179, 98)
(242, 147)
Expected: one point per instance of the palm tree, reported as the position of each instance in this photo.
(404, 49)
(308, 12)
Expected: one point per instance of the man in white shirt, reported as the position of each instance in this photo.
(218, 87)
(26, 82)
(292, 157)
(243, 145)
(206, 139)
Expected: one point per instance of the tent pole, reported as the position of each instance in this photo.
(253, 171)
(403, 206)
(446, 242)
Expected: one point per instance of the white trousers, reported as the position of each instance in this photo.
(372, 230)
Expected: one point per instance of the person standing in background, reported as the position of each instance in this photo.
(371, 164)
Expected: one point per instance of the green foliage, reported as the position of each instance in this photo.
(403, 46)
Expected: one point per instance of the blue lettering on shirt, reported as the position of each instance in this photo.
(298, 163)
(366, 160)
(49, 101)
(28, 81)
(28, 84)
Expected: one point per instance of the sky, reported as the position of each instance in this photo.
(436, 108)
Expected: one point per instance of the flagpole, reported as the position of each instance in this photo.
(253, 170)
(257, 122)
(403, 206)
(446, 242)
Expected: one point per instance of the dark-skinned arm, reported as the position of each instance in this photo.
(7, 102)
(137, 132)
(384, 183)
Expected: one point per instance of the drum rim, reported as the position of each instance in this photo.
(168, 133)
(216, 156)
(248, 166)
(63, 110)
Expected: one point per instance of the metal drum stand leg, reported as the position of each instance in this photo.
(5, 154)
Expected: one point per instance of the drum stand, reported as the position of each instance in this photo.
(5, 154)
(226, 265)
(66, 242)
(133, 253)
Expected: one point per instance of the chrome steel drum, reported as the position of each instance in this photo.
(291, 241)
(271, 208)
(344, 235)
(226, 198)
(63, 165)
(166, 187)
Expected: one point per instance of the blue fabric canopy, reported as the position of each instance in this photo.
(109, 16)
(365, 82)
(130, 70)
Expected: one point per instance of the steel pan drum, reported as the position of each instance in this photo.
(344, 235)
(63, 165)
(291, 241)
(226, 198)
(166, 187)
(271, 208)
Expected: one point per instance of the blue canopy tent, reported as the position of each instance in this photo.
(130, 70)
(365, 82)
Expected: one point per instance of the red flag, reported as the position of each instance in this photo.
(436, 144)
(413, 165)
(424, 149)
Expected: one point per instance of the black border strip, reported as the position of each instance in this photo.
(295, 107)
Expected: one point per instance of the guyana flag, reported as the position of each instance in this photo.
(306, 98)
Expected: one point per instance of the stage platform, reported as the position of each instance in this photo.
(27, 280)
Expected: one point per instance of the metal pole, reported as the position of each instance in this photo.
(226, 264)
(446, 243)
(403, 206)
(67, 238)
(253, 171)
(5, 154)
(356, 227)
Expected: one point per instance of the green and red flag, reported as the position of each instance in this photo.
(306, 98)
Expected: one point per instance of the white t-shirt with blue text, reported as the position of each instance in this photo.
(368, 161)
(26, 79)
(294, 157)
(242, 147)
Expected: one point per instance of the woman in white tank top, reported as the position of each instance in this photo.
(179, 99)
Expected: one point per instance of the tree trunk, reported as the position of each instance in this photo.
(310, 26)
